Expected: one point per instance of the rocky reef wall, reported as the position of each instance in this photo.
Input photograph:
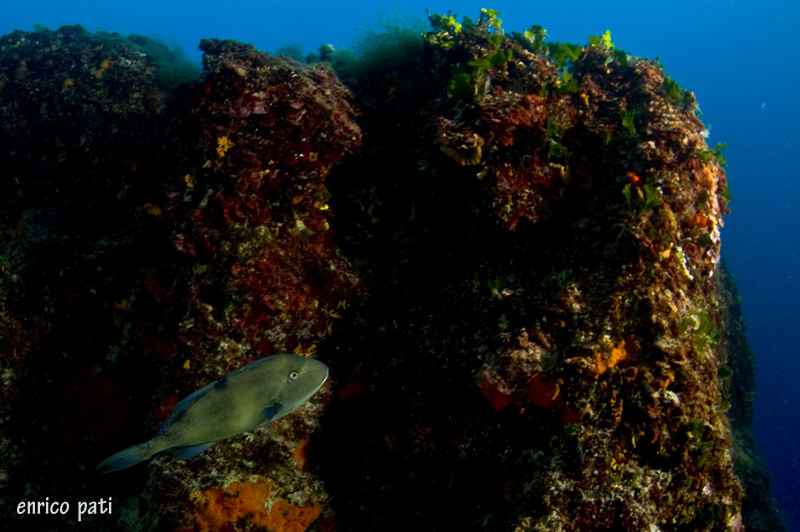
(507, 251)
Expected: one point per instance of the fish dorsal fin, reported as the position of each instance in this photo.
(181, 406)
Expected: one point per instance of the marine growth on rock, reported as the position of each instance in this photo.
(506, 249)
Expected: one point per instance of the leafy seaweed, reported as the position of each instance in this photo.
(620, 56)
(470, 79)
(627, 192)
(705, 240)
(501, 57)
(445, 30)
(562, 52)
(677, 94)
(495, 40)
(461, 86)
(567, 82)
(470, 82)
(714, 153)
(723, 372)
(534, 39)
(489, 18)
(602, 42)
(627, 116)
(446, 23)
(561, 280)
(725, 193)
(650, 198)
(643, 198)
(673, 90)
(725, 399)
(702, 197)
(704, 332)
(553, 134)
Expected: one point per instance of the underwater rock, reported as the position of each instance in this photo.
(80, 119)
(513, 276)
(156, 238)
(263, 276)
(543, 336)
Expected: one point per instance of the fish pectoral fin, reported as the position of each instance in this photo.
(271, 412)
(185, 453)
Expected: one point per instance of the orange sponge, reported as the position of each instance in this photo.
(219, 506)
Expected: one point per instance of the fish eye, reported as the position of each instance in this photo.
(293, 375)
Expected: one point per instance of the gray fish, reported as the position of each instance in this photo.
(240, 401)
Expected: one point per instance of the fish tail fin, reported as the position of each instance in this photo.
(127, 457)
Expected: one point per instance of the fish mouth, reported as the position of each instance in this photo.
(324, 379)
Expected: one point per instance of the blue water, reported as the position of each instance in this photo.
(741, 58)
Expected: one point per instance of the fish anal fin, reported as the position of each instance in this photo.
(185, 453)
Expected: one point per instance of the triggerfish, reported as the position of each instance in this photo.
(240, 401)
